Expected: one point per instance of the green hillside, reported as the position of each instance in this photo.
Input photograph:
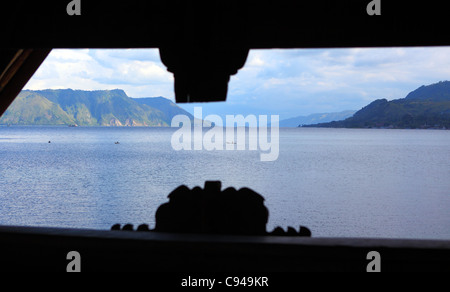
(33, 109)
(89, 108)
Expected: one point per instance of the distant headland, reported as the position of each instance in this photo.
(427, 107)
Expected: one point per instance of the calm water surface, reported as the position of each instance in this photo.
(337, 182)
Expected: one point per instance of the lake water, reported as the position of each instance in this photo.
(337, 182)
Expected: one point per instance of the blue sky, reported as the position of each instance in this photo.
(287, 83)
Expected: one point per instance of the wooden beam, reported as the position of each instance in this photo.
(18, 72)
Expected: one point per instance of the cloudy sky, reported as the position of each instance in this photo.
(288, 83)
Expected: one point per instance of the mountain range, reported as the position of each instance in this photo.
(89, 108)
(426, 107)
(316, 118)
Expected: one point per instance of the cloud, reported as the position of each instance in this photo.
(314, 80)
(139, 72)
(255, 60)
(288, 82)
(135, 73)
